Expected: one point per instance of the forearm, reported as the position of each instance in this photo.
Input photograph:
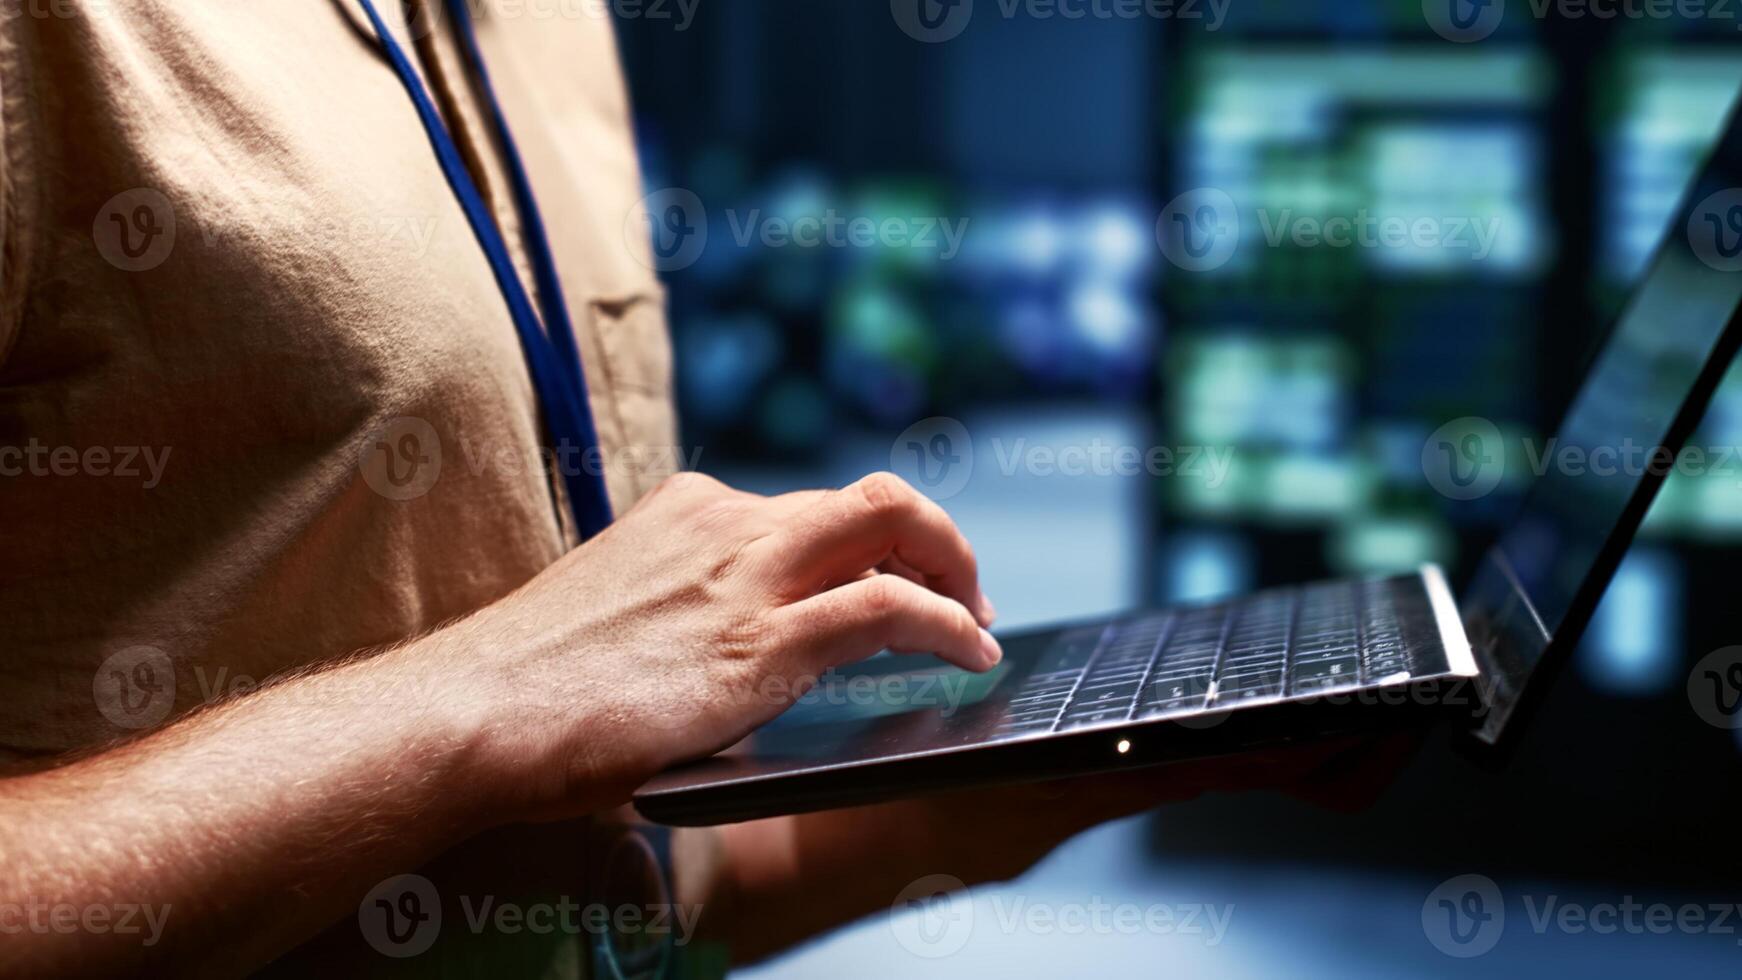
(656, 642)
(241, 829)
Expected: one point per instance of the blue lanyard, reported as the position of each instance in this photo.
(554, 359)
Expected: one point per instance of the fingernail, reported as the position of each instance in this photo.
(990, 649)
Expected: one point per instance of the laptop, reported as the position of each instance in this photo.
(1298, 663)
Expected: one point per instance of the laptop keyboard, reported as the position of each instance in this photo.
(1286, 643)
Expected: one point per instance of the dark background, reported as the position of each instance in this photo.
(1323, 370)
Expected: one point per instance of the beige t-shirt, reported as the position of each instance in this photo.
(261, 401)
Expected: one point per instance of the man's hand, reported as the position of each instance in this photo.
(703, 613)
(697, 616)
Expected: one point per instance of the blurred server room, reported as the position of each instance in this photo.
(1017, 169)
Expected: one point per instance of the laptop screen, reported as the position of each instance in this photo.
(1623, 433)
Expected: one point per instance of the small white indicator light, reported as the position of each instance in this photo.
(1124, 746)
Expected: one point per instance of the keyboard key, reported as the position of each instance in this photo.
(1304, 678)
(1178, 691)
(1162, 709)
(1102, 698)
(1348, 652)
(1254, 661)
(1094, 718)
(1259, 684)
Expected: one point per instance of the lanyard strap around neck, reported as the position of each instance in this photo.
(553, 360)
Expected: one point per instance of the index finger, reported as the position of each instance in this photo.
(834, 536)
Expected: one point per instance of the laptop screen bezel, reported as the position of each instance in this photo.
(1510, 695)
